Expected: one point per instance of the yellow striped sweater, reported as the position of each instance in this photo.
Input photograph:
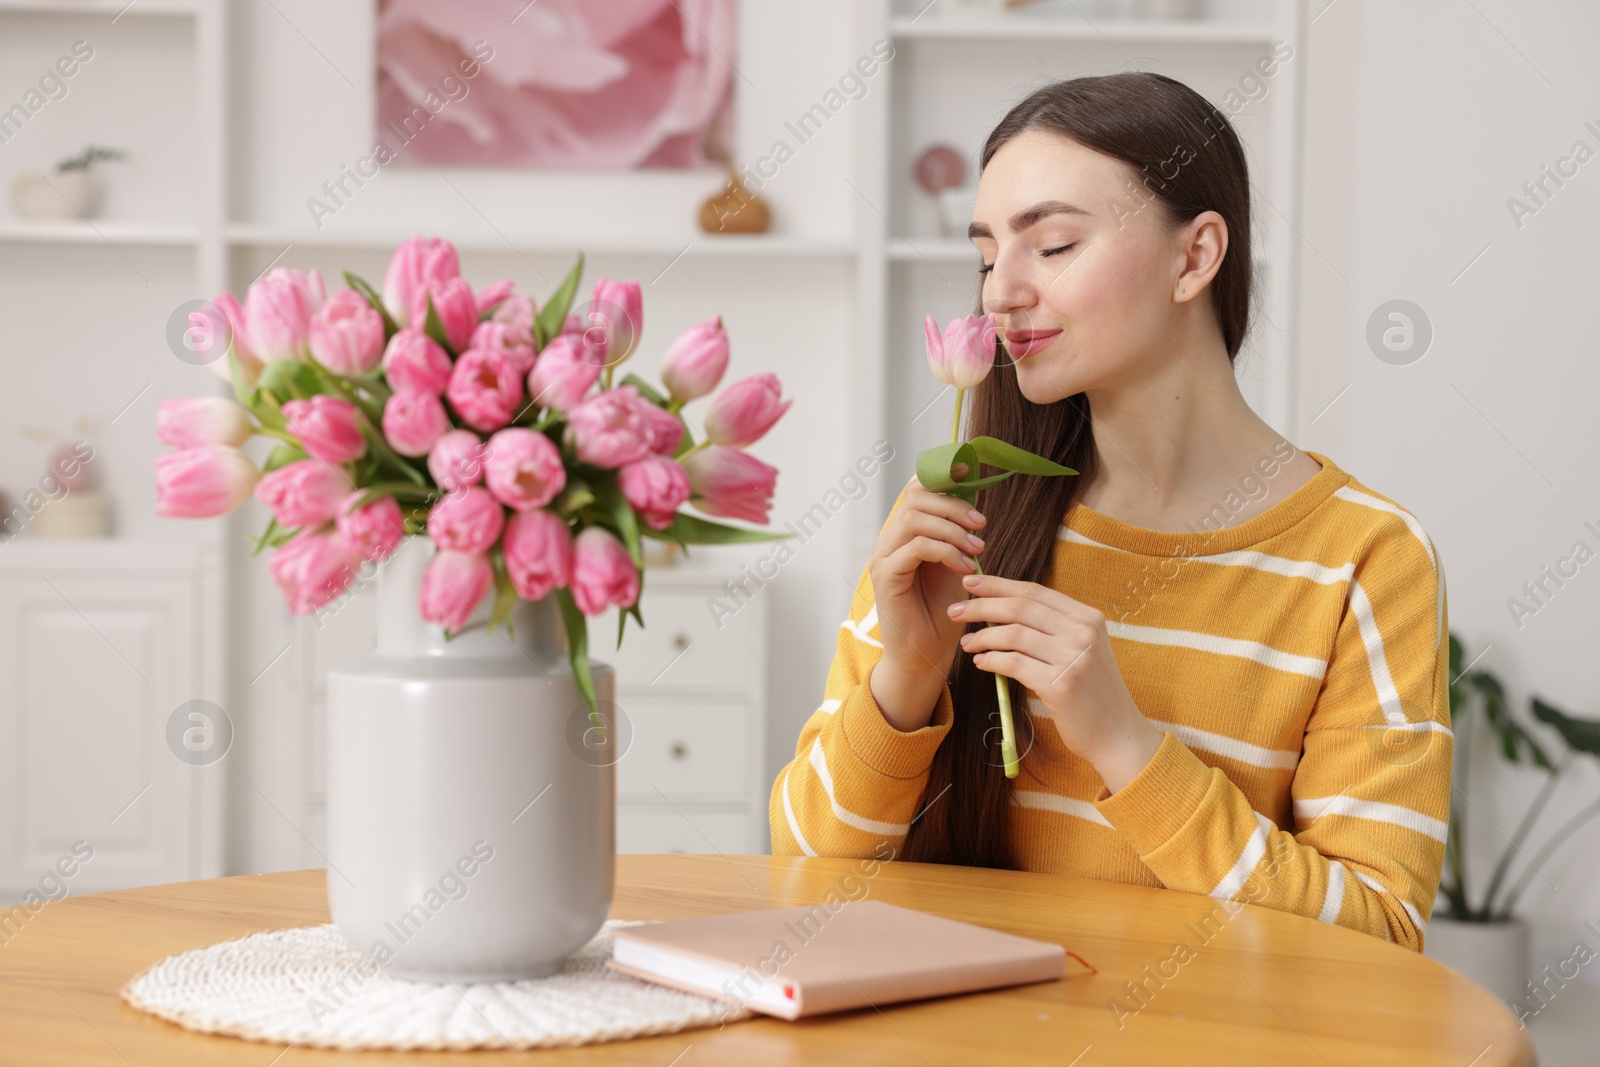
(1297, 665)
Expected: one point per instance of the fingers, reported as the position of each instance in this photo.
(1005, 599)
(941, 529)
(919, 550)
(920, 498)
(1014, 637)
(1041, 617)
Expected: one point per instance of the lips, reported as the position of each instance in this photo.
(1024, 343)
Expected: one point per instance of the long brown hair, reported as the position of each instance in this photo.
(1187, 159)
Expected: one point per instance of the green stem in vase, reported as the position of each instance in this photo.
(1008, 726)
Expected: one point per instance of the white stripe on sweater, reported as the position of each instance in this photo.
(1222, 646)
(1312, 808)
(1377, 660)
(1273, 759)
(1410, 909)
(819, 763)
(830, 706)
(1355, 496)
(1081, 809)
(1261, 561)
(794, 824)
(860, 629)
(1333, 898)
(1249, 856)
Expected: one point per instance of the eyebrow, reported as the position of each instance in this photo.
(1027, 217)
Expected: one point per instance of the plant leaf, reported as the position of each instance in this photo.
(615, 507)
(1582, 735)
(577, 628)
(935, 466)
(434, 328)
(290, 378)
(692, 530)
(998, 453)
(282, 456)
(400, 491)
(359, 284)
(553, 315)
(505, 594)
(381, 449)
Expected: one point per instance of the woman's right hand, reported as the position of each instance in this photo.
(916, 567)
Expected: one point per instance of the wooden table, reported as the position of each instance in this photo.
(1264, 987)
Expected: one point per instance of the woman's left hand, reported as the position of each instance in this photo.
(1059, 649)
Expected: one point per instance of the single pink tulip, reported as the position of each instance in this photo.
(203, 481)
(484, 389)
(453, 584)
(512, 342)
(467, 520)
(373, 531)
(278, 310)
(414, 363)
(328, 427)
(493, 295)
(656, 487)
(562, 373)
(602, 572)
(517, 311)
(696, 361)
(523, 468)
(731, 483)
(306, 492)
(346, 335)
(538, 552)
(417, 262)
(214, 335)
(456, 461)
(964, 354)
(743, 412)
(662, 428)
(412, 422)
(202, 420)
(608, 430)
(312, 568)
(617, 309)
(455, 305)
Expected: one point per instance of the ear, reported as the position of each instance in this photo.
(1202, 241)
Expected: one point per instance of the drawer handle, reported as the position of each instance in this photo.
(679, 750)
(680, 641)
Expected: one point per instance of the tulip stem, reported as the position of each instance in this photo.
(693, 449)
(1008, 726)
(955, 420)
(282, 435)
(607, 383)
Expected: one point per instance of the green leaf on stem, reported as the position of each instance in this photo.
(433, 326)
(400, 491)
(614, 507)
(935, 467)
(553, 316)
(576, 496)
(359, 284)
(689, 530)
(273, 536)
(1581, 735)
(388, 456)
(347, 388)
(577, 627)
(282, 456)
(998, 453)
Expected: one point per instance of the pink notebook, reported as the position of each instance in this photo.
(795, 962)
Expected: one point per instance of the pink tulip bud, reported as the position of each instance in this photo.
(467, 520)
(602, 572)
(743, 412)
(484, 389)
(452, 586)
(523, 468)
(656, 486)
(607, 430)
(696, 361)
(617, 309)
(492, 296)
(203, 481)
(306, 492)
(538, 552)
(214, 334)
(278, 310)
(328, 427)
(312, 568)
(414, 363)
(373, 531)
(731, 483)
(412, 422)
(513, 343)
(964, 354)
(417, 262)
(346, 335)
(457, 460)
(662, 427)
(202, 420)
(517, 312)
(455, 306)
(563, 372)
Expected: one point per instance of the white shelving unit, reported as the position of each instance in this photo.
(950, 80)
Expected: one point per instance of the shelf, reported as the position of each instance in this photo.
(690, 246)
(113, 9)
(100, 231)
(937, 249)
(1022, 29)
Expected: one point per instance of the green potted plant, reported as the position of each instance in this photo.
(70, 192)
(1478, 931)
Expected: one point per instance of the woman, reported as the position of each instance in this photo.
(1231, 654)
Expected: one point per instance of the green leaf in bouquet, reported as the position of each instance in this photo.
(405, 491)
(692, 530)
(433, 326)
(935, 468)
(387, 455)
(359, 284)
(350, 389)
(549, 418)
(553, 315)
(505, 594)
(577, 627)
(622, 616)
(576, 496)
(289, 379)
(273, 536)
(282, 456)
(998, 453)
(614, 507)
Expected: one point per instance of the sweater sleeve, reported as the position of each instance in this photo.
(1371, 792)
(856, 782)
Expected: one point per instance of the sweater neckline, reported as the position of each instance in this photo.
(1198, 541)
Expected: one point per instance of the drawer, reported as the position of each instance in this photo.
(680, 645)
(693, 749)
(688, 828)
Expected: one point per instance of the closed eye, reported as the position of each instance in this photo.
(987, 267)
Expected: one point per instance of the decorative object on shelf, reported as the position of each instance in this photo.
(581, 84)
(304, 986)
(735, 209)
(962, 357)
(73, 191)
(535, 503)
(71, 506)
(1170, 10)
(981, 8)
(941, 172)
(1483, 938)
(662, 554)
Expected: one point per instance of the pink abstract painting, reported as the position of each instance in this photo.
(592, 84)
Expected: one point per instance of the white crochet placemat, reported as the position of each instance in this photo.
(308, 986)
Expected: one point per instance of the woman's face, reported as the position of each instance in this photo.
(1081, 270)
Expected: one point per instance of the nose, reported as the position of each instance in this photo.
(1006, 291)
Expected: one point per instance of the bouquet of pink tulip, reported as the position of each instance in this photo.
(962, 357)
(467, 416)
